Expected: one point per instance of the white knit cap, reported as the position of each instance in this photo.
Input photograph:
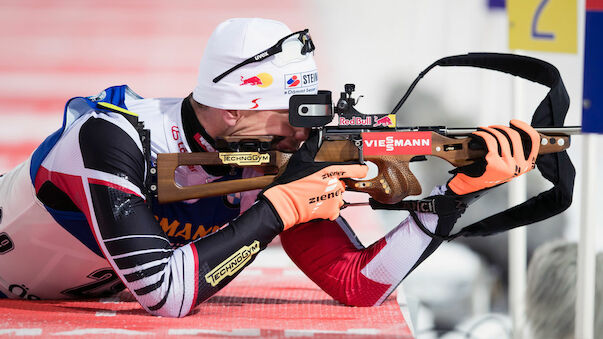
(262, 85)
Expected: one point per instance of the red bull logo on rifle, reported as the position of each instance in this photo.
(368, 121)
(355, 121)
(261, 80)
(386, 121)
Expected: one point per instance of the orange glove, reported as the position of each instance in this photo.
(309, 190)
(512, 151)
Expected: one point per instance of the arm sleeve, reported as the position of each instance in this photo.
(331, 255)
(165, 281)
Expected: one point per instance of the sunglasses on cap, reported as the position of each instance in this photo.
(303, 37)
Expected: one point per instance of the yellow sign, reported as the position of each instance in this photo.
(245, 158)
(232, 264)
(543, 25)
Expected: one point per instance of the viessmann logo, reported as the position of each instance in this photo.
(244, 158)
(232, 264)
(396, 143)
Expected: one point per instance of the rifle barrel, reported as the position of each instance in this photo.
(336, 133)
(568, 130)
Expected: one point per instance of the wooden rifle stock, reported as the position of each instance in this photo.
(393, 183)
(169, 191)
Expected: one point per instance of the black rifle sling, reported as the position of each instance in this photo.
(555, 167)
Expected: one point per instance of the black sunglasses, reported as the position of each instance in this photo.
(304, 38)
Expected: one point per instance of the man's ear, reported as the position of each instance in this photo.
(230, 117)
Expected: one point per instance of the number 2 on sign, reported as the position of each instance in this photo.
(537, 14)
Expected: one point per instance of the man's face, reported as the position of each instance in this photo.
(271, 122)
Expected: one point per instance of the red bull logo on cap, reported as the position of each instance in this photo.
(262, 80)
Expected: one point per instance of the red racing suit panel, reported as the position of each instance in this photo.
(331, 255)
(326, 254)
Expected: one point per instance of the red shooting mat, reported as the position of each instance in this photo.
(260, 303)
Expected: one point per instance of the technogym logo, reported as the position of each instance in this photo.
(245, 158)
(232, 264)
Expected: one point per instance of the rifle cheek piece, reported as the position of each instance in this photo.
(309, 111)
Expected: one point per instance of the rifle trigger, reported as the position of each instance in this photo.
(418, 158)
(358, 144)
(320, 137)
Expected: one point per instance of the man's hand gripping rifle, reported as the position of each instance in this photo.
(376, 138)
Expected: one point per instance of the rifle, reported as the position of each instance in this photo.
(393, 183)
(376, 138)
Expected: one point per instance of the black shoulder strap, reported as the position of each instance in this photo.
(555, 167)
